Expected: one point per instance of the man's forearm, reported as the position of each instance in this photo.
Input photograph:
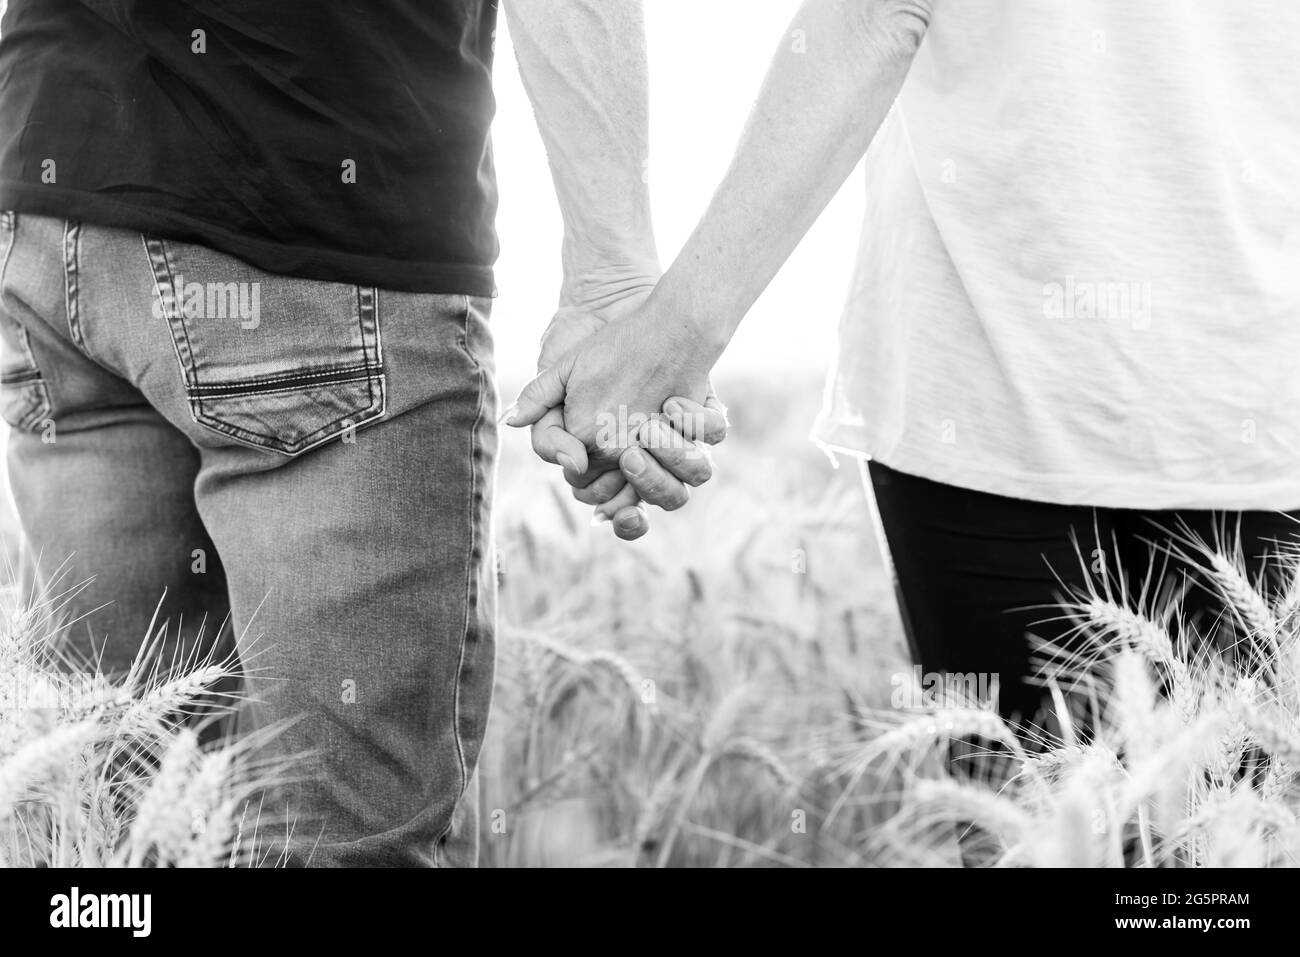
(583, 64)
(828, 90)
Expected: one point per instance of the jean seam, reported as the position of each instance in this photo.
(273, 382)
(71, 281)
(11, 223)
(470, 605)
(469, 580)
(369, 296)
(275, 388)
(161, 271)
(44, 406)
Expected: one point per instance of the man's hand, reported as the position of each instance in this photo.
(571, 326)
(636, 396)
(668, 459)
(626, 455)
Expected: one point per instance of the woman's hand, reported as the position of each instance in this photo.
(625, 411)
(571, 326)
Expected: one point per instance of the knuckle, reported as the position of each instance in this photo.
(674, 498)
(592, 495)
(699, 474)
(702, 463)
(542, 448)
(601, 487)
(695, 466)
(578, 481)
(650, 486)
(603, 459)
(647, 434)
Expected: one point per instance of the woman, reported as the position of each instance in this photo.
(1076, 311)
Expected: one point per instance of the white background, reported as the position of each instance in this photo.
(707, 60)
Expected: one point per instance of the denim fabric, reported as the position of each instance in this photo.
(313, 460)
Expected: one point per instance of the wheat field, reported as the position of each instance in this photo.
(719, 695)
(680, 700)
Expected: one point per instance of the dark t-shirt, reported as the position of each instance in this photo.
(344, 140)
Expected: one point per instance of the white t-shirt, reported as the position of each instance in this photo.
(1079, 279)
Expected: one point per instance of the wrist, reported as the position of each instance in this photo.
(598, 270)
(597, 285)
(677, 340)
(697, 317)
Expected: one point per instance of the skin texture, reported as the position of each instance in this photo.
(583, 64)
(820, 106)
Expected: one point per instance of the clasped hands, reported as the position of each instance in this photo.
(622, 402)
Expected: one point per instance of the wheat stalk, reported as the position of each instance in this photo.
(34, 761)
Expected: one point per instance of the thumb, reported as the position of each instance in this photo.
(544, 392)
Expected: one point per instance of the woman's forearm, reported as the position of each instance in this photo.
(827, 91)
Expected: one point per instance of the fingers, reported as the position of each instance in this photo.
(621, 504)
(601, 489)
(682, 458)
(599, 461)
(553, 444)
(629, 518)
(702, 423)
(659, 470)
(654, 483)
(543, 393)
(631, 523)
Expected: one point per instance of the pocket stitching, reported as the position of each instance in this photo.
(272, 380)
(216, 392)
(160, 263)
(305, 444)
(34, 379)
(43, 406)
(372, 293)
(161, 269)
(71, 281)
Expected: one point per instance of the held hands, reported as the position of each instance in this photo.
(623, 404)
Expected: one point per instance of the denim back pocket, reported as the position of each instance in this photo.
(273, 361)
(24, 396)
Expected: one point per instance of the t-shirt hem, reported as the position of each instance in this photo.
(300, 261)
(839, 438)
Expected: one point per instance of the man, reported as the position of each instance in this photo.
(1074, 324)
(247, 257)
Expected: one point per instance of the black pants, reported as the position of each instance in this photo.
(977, 575)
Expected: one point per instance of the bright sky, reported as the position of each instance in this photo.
(707, 60)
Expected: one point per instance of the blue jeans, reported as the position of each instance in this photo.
(312, 462)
